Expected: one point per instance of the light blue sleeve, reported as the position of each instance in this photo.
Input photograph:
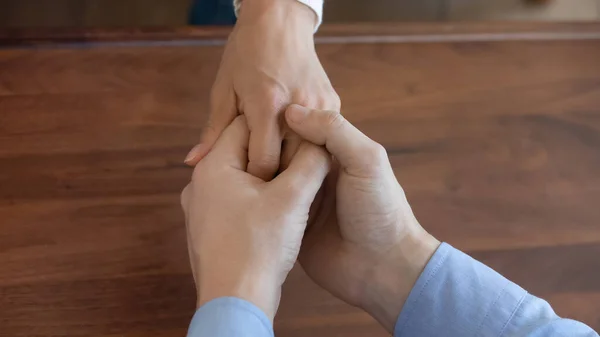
(457, 296)
(230, 317)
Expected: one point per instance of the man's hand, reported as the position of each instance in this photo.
(268, 63)
(364, 245)
(244, 234)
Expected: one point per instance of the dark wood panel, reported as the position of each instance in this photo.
(495, 142)
(331, 33)
(383, 10)
(36, 13)
(93, 13)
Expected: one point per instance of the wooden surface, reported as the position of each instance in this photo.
(328, 34)
(148, 13)
(495, 141)
(93, 13)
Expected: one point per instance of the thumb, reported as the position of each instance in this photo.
(357, 153)
(305, 174)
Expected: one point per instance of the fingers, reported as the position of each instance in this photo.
(266, 155)
(231, 148)
(289, 147)
(223, 111)
(357, 153)
(265, 148)
(305, 174)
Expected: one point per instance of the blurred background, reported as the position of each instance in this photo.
(140, 13)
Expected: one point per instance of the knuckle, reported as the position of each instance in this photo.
(374, 157)
(209, 126)
(273, 97)
(266, 161)
(302, 98)
(377, 152)
(324, 100)
(315, 162)
(321, 102)
(334, 120)
(336, 102)
(274, 91)
(314, 159)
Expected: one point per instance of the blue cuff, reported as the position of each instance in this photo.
(457, 295)
(229, 317)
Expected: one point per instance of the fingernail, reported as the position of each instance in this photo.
(194, 152)
(297, 113)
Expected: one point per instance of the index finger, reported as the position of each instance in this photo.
(265, 148)
(232, 146)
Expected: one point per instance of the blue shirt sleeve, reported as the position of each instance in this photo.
(457, 295)
(230, 317)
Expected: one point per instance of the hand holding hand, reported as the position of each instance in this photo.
(365, 245)
(244, 234)
(268, 63)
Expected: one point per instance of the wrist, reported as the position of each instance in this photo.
(263, 292)
(392, 278)
(278, 13)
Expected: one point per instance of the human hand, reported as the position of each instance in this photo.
(365, 246)
(244, 234)
(268, 63)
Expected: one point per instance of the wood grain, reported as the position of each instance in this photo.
(327, 34)
(93, 13)
(558, 10)
(495, 142)
(383, 10)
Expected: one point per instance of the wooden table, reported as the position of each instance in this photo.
(494, 131)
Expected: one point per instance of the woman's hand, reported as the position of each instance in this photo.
(244, 234)
(268, 63)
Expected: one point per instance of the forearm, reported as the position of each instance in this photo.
(456, 295)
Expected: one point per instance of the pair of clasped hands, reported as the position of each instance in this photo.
(275, 182)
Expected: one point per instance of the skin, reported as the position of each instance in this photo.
(362, 242)
(260, 237)
(364, 245)
(269, 62)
